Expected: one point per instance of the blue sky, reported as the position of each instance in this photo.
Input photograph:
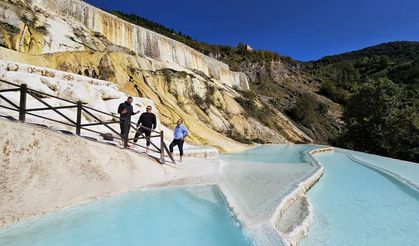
(302, 29)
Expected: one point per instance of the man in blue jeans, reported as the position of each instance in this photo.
(180, 133)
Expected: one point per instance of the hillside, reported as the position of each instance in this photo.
(398, 61)
(399, 52)
(379, 87)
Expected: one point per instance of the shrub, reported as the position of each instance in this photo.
(307, 111)
(334, 93)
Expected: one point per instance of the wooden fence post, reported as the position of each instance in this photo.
(126, 132)
(78, 120)
(22, 106)
(162, 160)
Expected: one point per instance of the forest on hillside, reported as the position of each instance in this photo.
(379, 88)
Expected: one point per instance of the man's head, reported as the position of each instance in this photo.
(149, 108)
(179, 122)
(129, 100)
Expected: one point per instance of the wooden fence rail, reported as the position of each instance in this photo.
(95, 114)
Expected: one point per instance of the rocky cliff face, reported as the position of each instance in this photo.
(121, 33)
(73, 36)
(283, 85)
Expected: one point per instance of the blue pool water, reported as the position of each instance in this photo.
(283, 153)
(355, 205)
(187, 216)
(405, 169)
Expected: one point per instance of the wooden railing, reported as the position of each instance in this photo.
(95, 114)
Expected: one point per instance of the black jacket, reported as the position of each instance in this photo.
(127, 115)
(147, 120)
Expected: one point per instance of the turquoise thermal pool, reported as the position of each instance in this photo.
(360, 200)
(184, 216)
(354, 204)
(284, 153)
(357, 205)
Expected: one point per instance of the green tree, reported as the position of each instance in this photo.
(379, 120)
(305, 110)
(333, 92)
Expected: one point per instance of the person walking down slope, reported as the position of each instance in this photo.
(180, 133)
(145, 124)
(125, 111)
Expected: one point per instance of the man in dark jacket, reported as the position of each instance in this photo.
(125, 111)
(145, 124)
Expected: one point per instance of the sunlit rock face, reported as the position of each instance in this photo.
(142, 41)
(72, 36)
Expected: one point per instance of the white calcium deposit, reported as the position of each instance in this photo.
(140, 40)
(259, 194)
(67, 170)
(98, 94)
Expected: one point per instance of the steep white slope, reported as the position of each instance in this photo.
(98, 94)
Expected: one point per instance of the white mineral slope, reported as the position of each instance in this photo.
(296, 220)
(288, 212)
(255, 190)
(261, 186)
(43, 170)
(98, 94)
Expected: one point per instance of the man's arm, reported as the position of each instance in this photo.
(154, 122)
(185, 132)
(140, 120)
(120, 108)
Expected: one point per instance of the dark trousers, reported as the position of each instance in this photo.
(125, 127)
(179, 143)
(147, 134)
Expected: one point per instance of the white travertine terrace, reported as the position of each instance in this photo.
(267, 198)
(68, 170)
(142, 41)
(264, 196)
(260, 195)
(99, 94)
(300, 230)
